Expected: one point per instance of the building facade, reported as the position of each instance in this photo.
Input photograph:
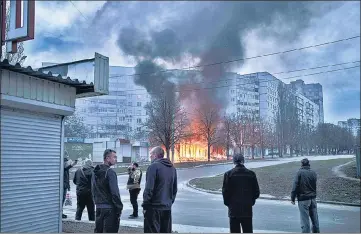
(259, 93)
(352, 125)
(119, 114)
(311, 91)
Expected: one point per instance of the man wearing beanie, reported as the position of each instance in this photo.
(240, 191)
(304, 188)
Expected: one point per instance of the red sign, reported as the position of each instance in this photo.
(21, 25)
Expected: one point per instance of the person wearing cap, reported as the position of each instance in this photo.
(240, 191)
(82, 180)
(304, 188)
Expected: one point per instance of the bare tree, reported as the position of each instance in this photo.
(167, 120)
(252, 131)
(238, 130)
(75, 127)
(225, 134)
(208, 121)
(17, 57)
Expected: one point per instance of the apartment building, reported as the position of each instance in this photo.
(119, 114)
(353, 125)
(311, 91)
(259, 93)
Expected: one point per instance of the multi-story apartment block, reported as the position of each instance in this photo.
(311, 91)
(119, 114)
(259, 93)
(352, 125)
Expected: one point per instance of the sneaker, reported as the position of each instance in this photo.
(64, 216)
(133, 216)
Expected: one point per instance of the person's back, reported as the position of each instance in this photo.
(307, 184)
(159, 193)
(163, 194)
(305, 189)
(240, 191)
(82, 180)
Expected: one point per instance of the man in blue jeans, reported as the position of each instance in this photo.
(304, 188)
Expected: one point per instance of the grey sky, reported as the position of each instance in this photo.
(207, 32)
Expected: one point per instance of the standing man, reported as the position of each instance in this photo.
(159, 193)
(66, 177)
(133, 184)
(106, 195)
(240, 191)
(304, 188)
(82, 180)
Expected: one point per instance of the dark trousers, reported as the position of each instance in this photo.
(106, 221)
(82, 201)
(133, 200)
(65, 190)
(236, 224)
(308, 210)
(157, 221)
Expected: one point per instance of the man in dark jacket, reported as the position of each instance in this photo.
(240, 191)
(159, 193)
(106, 195)
(66, 177)
(133, 184)
(304, 188)
(82, 180)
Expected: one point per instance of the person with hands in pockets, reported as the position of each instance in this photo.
(106, 195)
(159, 193)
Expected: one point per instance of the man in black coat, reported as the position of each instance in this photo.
(106, 195)
(240, 191)
(159, 193)
(304, 188)
(82, 180)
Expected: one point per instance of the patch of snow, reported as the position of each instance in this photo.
(266, 196)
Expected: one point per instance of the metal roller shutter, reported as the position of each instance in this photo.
(30, 172)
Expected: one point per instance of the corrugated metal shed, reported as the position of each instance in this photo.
(81, 87)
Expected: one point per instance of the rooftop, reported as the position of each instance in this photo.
(81, 87)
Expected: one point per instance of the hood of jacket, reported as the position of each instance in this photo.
(164, 161)
(100, 170)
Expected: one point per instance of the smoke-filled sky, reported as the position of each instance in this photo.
(161, 35)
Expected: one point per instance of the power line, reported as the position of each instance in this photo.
(241, 59)
(266, 81)
(78, 10)
(262, 81)
(291, 71)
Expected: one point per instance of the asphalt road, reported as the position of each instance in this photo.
(196, 211)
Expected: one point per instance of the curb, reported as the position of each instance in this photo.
(191, 167)
(215, 164)
(274, 199)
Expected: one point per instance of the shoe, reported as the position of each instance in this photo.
(133, 216)
(64, 216)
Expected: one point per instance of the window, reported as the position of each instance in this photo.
(129, 103)
(232, 99)
(139, 129)
(139, 104)
(129, 120)
(139, 120)
(139, 112)
(232, 91)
